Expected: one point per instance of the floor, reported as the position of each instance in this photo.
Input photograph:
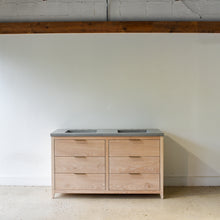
(180, 203)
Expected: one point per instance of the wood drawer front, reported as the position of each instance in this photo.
(134, 164)
(79, 181)
(134, 147)
(134, 182)
(79, 164)
(81, 147)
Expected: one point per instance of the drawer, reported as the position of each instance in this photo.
(134, 147)
(80, 181)
(134, 164)
(79, 164)
(80, 147)
(134, 182)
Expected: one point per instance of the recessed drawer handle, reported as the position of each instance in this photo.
(135, 139)
(80, 156)
(80, 173)
(134, 173)
(80, 140)
(135, 156)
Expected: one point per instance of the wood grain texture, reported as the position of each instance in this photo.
(134, 164)
(135, 147)
(78, 181)
(79, 164)
(134, 182)
(111, 27)
(81, 147)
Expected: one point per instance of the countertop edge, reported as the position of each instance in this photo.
(151, 133)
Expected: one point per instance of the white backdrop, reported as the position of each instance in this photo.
(166, 81)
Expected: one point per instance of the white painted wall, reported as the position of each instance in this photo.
(166, 81)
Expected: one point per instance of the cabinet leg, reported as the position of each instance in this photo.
(162, 195)
(53, 195)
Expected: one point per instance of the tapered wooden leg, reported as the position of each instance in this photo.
(52, 166)
(53, 195)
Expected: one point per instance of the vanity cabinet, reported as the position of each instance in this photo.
(107, 165)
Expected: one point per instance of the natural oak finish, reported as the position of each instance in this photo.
(111, 27)
(80, 165)
(135, 147)
(134, 182)
(107, 165)
(80, 181)
(134, 164)
(79, 147)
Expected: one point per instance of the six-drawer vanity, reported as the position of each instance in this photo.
(107, 161)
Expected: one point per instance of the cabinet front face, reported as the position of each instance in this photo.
(107, 165)
(79, 147)
(134, 164)
(134, 147)
(80, 164)
(134, 182)
(80, 181)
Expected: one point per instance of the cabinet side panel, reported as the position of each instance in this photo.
(52, 166)
(162, 167)
(106, 165)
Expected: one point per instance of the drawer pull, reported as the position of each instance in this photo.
(135, 139)
(134, 173)
(80, 173)
(80, 156)
(80, 140)
(135, 156)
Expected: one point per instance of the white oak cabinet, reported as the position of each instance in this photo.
(108, 165)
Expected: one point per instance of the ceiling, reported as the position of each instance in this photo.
(113, 10)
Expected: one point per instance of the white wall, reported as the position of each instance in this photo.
(166, 81)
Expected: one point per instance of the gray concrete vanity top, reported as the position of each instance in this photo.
(105, 132)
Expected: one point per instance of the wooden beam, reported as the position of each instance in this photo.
(111, 27)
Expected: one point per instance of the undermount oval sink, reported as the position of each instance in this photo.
(132, 131)
(94, 131)
(82, 131)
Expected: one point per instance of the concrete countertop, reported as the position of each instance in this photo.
(105, 132)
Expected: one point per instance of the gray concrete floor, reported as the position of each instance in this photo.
(181, 203)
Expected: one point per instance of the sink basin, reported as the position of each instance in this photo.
(94, 131)
(132, 131)
(84, 131)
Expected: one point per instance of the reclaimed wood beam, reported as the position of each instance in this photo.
(111, 27)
